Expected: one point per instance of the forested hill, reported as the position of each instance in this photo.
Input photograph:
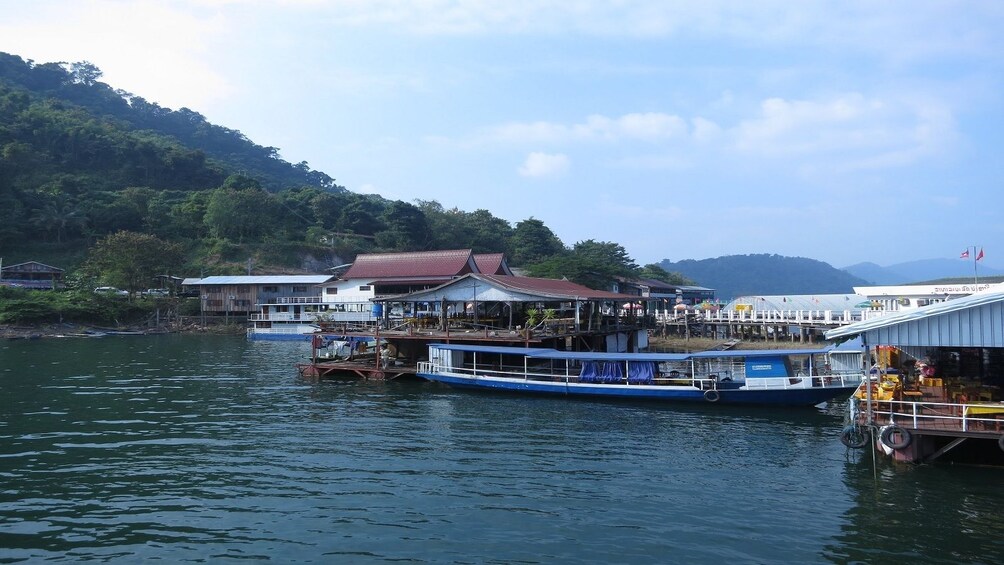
(86, 167)
(740, 275)
(58, 118)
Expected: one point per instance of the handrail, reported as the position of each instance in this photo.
(701, 382)
(916, 413)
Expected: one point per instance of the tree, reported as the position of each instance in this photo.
(131, 260)
(361, 215)
(608, 252)
(590, 263)
(654, 271)
(405, 228)
(488, 234)
(532, 242)
(239, 213)
(85, 72)
(57, 216)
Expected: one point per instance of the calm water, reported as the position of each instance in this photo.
(208, 448)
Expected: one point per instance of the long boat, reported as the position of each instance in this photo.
(788, 377)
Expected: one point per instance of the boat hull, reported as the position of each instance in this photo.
(735, 396)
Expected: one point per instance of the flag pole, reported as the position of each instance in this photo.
(976, 276)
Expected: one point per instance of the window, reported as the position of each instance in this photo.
(270, 288)
(331, 290)
(365, 288)
(299, 289)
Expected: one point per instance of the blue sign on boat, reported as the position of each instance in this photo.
(765, 366)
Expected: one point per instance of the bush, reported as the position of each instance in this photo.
(33, 307)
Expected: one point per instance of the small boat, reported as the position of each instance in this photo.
(788, 377)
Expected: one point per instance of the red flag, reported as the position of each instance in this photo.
(980, 254)
(965, 254)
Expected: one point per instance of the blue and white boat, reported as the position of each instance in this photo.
(788, 377)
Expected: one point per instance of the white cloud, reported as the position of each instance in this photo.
(851, 131)
(650, 127)
(156, 50)
(893, 30)
(832, 134)
(544, 165)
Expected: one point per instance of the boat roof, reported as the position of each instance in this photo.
(606, 356)
(546, 353)
(759, 352)
(489, 348)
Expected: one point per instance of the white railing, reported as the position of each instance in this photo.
(702, 382)
(780, 317)
(937, 415)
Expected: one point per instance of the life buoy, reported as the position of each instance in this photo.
(854, 437)
(712, 395)
(890, 432)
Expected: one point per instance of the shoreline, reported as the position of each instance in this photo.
(67, 329)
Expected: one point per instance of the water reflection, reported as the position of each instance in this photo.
(927, 514)
(201, 447)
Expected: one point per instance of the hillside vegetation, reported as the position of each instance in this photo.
(85, 167)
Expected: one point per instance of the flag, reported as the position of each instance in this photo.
(965, 254)
(980, 254)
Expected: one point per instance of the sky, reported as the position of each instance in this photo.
(843, 131)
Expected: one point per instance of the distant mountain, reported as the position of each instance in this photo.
(918, 271)
(739, 275)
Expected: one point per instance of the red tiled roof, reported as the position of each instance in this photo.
(492, 263)
(426, 264)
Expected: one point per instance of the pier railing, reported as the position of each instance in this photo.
(778, 317)
(935, 416)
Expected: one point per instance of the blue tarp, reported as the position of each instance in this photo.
(641, 373)
(589, 373)
(612, 373)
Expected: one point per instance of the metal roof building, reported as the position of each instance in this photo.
(834, 302)
(976, 320)
(259, 279)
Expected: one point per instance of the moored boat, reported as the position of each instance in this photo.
(790, 377)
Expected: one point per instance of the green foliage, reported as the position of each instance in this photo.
(80, 161)
(532, 242)
(131, 261)
(239, 213)
(654, 271)
(479, 231)
(33, 307)
(590, 263)
(405, 228)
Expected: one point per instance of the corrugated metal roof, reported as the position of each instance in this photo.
(448, 263)
(262, 279)
(15, 266)
(836, 302)
(976, 320)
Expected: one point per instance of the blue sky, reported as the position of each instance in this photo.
(841, 131)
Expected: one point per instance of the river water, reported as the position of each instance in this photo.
(211, 448)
